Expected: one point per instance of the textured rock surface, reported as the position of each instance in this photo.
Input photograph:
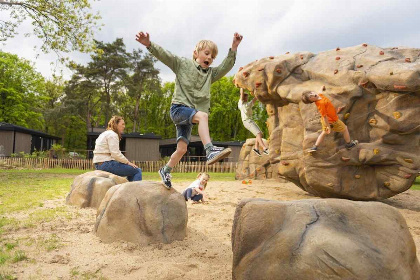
(321, 239)
(89, 189)
(142, 212)
(381, 91)
(251, 165)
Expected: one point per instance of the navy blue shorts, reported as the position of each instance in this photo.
(182, 116)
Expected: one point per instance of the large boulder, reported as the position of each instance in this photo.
(89, 189)
(380, 89)
(142, 212)
(321, 239)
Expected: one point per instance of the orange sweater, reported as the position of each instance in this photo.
(326, 108)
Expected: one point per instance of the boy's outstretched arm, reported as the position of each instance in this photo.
(166, 57)
(143, 38)
(237, 38)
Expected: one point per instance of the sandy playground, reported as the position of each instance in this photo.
(204, 254)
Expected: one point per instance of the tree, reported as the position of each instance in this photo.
(144, 79)
(63, 26)
(109, 65)
(22, 92)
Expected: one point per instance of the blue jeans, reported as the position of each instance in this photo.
(120, 169)
(182, 116)
(187, 194)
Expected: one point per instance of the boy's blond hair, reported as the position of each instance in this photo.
(204, 44)
(204, 173)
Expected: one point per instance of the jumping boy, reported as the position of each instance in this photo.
(329, 119)
(246, 114)
(191, 100)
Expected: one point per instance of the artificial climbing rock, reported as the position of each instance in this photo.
(381, 111)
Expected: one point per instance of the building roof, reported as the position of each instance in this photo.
(11, 127)
(131, 135)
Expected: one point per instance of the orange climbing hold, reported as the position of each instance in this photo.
(301, 56)
(278, 70)
(240, 68)
(359, 66)
(365, 45)
(246, 74)
(261, 69)
(337, 58)
(408, 60)
(400, 87)
(257, 84)
(345, 158)
(363, 84)
(271, 57)
(284, 163)
(335, 71)
(381, 53)
(337, 49)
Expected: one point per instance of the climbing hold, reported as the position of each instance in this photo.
(278, 70)
(408, 60)
(359, 66)
(407, 176)
(387, 184)
(376, 151)
(257, 84)
(240, 68)
(335, 71)
(337, 49)
(277, 151)
(364, 45)
(400, 87)
(391, 73)
(357, 176)
(261, 69)
(301, 56)
(287, 52)
(345, 158)
(330, 185)
(396, 115)
(271, 57)
(363, 84)
(284, 163)
(337, 58)
(381, 53)
(409, 160)
(346, 116)
(246, 74)
(258, 168)
(323, 88)
(373, 121)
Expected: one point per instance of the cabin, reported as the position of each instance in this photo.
(16, 139)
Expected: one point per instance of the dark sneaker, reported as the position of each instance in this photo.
(166, 178)
(266, 151)
(256, 151)
(351, 144)
(216, 154)
(313, 149)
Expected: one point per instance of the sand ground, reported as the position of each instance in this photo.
(204, 254)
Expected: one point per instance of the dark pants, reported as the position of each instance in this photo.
(187, 194)
(120, 169)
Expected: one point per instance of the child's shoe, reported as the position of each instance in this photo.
(217, 153)
(256, 151)
(265, 151)
(313, 149)
(166, 178)
(351, 144)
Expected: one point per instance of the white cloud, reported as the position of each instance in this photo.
(270, 27)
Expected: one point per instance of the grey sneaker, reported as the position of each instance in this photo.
(166, 178)
(256, 152)
(266, 152)
(216, 154)
(351, 144)
(313, 149)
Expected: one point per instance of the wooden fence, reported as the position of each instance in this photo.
(86, 164)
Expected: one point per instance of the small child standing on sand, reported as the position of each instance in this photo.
(246, 114)
(329, 119)
(195, 191)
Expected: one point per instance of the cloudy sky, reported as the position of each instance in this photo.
(269, 27)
